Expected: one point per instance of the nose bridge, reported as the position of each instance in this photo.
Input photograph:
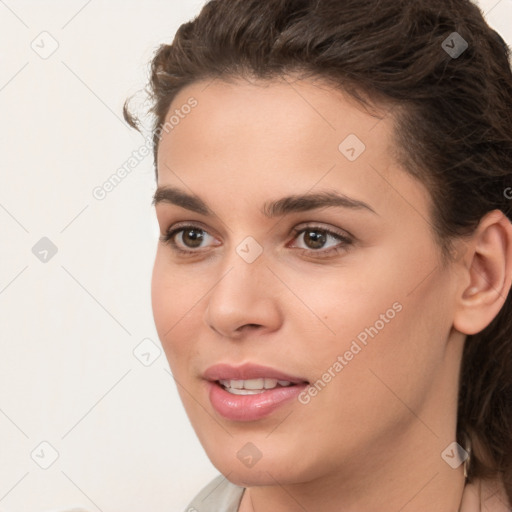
(244, 275)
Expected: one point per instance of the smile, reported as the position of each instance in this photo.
(252, 386)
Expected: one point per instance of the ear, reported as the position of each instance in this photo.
(487, 275)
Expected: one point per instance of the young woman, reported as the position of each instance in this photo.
(332, 286)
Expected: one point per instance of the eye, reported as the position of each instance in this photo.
(315, 238)
(184, 237)
(186, 240)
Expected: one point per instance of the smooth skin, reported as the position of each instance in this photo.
(372, 439)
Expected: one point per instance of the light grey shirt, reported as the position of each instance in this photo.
(220, 495)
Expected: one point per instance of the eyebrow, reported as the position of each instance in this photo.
(276, 208)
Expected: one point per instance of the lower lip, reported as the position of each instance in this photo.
(250, 407)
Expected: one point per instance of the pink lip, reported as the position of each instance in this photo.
(249, 407)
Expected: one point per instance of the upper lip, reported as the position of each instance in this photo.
(224, 371)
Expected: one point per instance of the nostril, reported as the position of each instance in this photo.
(249, 326)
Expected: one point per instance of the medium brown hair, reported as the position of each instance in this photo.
(453, 129)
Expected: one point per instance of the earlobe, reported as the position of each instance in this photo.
(489, 274)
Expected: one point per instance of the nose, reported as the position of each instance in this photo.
(244, 299)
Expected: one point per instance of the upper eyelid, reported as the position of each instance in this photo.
(302, 225)
(333, 231)
(316, 223)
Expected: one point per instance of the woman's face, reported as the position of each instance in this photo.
(346, 300)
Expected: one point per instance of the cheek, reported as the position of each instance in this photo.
(343, 303)
(389, 360)
(388, 322)
(173, 303)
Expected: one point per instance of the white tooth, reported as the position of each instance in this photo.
(245, 391)
(284, 382)
(236, 384)
(253, 383)
(224, 383)
(270, 383)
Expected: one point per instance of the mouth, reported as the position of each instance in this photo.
(250, 392)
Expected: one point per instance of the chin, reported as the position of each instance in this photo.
(250, 478)
(267, 470)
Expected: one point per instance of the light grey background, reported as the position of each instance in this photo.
(69, 324)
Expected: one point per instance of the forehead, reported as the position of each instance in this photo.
(283, 135)
(284, 116)
(283, 103)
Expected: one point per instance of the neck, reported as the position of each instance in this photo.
(422, 484)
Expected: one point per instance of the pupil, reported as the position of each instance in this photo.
(317, 239)
(196, 239)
